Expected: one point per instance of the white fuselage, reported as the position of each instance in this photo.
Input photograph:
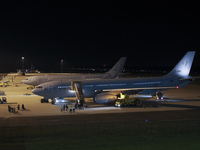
(36, 80)
(115, 71)
(90, 88)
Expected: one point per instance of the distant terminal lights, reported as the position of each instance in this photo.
(28, 71)
(32, 71)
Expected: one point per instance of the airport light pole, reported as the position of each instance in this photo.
(23, 63)
(61, 65)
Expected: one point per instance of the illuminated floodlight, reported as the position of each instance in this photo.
(23, 63)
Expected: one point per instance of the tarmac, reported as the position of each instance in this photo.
(183, 103)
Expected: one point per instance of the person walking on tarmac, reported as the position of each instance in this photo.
(61, 108)
(73, 108)
(8, 108)
(23, 108)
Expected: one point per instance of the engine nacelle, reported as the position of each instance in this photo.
(104, 98)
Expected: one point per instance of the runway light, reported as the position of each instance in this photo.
(177, 87)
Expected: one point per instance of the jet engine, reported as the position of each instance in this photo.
(104, 98)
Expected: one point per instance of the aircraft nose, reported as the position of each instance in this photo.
(38, 91)
(35, 91)
(23, 81)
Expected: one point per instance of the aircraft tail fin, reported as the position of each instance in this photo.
(116, 69)
(182, 69)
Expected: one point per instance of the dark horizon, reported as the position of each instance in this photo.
(94, 33)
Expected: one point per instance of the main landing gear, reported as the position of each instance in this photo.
(44, 100)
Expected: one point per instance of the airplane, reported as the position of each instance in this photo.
(106, 90)
(115, 71)
(4, 81)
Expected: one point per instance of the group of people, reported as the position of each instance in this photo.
(13, 109)
(65, 108)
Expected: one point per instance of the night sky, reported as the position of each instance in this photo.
(94, 33)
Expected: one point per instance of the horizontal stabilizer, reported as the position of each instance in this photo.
(190, 78)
